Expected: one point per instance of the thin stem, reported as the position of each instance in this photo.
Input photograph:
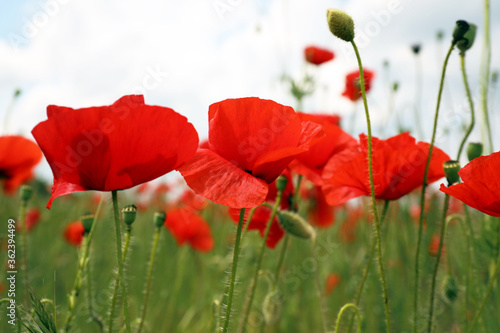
(418, 95)
(119, 258)
(24, 237)
(233, 270)
(92, 312)
(318, 288)
(485, 77)
(253, 284)
(438, 257)
(341, 312)
(372, 191)
(148, 280)
(471, 104)
(424, 187)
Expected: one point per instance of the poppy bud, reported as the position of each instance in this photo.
(26, 192)
(340, 24)
(451, 171)
(87, 220)
(395, 86)
(159, 218)
(450, 288)
(281, 182)
(17, 92)
(474, 149)
(129, 212)
(415, 48)
(461, 27)
(295, 225)
(271, 307)
(468, 39)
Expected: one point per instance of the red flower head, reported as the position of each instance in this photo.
(481, 184)
(73, 233)
(320, 213)
(398, 168)
(311, 163)
(352, 84)
(251, 142)
(332, 281)
(113, 147)
(18, 156)
(316, 55)
(186, 226)
(262, 214)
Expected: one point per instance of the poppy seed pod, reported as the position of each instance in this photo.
(281, 182)
(468, 39)
(474, 150)
(340, 24)
(450, 288)
(26, 192)
(461, 27)
(129, 213)
(451, 171)
(87, 220)
(295, 225)
(159, 218)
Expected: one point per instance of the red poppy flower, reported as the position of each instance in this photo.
(113, 147)
(188, 227)
(398, 168)
(251, 142)
(73, 233)
(311, 163)
(262, 214)
(317, 56)
(352, 84)
(18, 156)
(32, 218)
(320, 213)
(332, 281)
(481, 185)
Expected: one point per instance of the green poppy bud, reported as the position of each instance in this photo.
(295, 225)
(281, 183)
(340, 24)
(26, 192)
(395, 86)
(416, 48)
(87, 220)
(450, 288)
(159, 218)
(129, 212)
(468, 39)
(451, 171)
(461, 27)
(474, 149)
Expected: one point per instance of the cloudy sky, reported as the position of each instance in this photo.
(189, 54)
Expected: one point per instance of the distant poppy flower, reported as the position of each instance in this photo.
(18, 157)
(348, 230)
(192, 200)
(262, 214)
(188, 227)
(480, 188)
(32, 218)
(319, 212)
(352, 85)
(311, 163)
(317, 56)
(113, 147)
(73, 233)
(398, 168)
(332, 281)
(251, 142)
(434, 246)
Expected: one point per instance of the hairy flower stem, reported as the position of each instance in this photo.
(232, 279)
(318, 287)
(148, 279)
(485, 74)
(120, 260)
(368, 264)
(438, 257)
(253, 283)
(341, 312)
(372, 190)
(424, 187)
(471, 104)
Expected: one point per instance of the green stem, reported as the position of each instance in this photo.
(95, 317)
(24, 237)
(253, 284)
(341, 312)
(485, 77)
(471, 104)
(148, 280)
(318, 288)
(438, 257)
(215, 316)
(372, 191)
(232, 279)
(418, 96)
(424, 187)
(120, 260)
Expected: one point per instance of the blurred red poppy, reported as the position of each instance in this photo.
(262, 214)
(434, 246)
(32, 218)
(332, 281)
(352, 85)
(317, 56)
(398, 168)
(188, 227)
(319, 212)
(481, 185)
(73, 233)
(311, 163)
(113, 147)
(18, 157)
(348, 230)
(251, 142)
